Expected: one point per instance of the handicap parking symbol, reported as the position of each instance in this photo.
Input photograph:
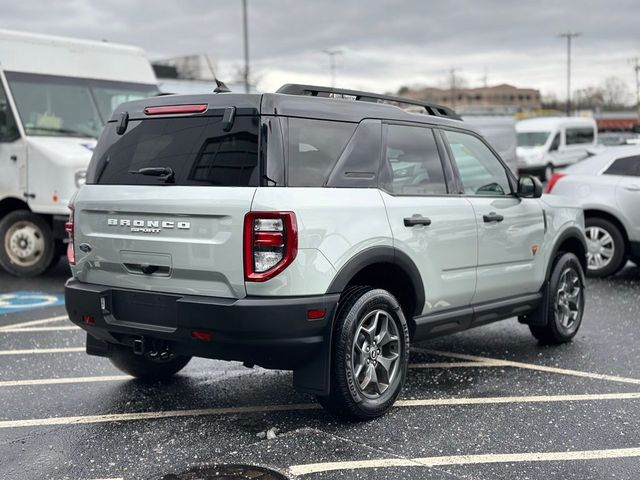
(23, 300)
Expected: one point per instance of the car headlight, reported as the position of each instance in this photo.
(81, 178)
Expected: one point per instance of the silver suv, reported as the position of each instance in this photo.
(607, 186)
(314, 229)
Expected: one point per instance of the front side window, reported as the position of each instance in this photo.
(627, 166)
(578, 135)
(314, 148)
(480, 170)
(8, 128)
(412, 164)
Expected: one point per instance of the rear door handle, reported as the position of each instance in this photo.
(633, 188)
(416, 220)
(492, 217)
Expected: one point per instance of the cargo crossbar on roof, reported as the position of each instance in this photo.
(328, 92)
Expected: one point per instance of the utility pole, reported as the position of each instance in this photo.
(245, 31)
(453, 86)
(569, 36)
(332, 64)
(636, 67)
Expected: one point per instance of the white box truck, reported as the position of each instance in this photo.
(55, 96)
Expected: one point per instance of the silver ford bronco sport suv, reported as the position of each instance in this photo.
(316, 230)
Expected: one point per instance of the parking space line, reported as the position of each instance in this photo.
(455, 365)
(42, 350)
(33, 322)
(532, 366)
(123, 417)
(62, 381)
(41, 329)
(298, 470)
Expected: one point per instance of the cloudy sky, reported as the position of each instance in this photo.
(384, 43)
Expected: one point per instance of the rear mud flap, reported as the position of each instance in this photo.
(540, 316)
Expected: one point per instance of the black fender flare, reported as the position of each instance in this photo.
(572, 232)
(381, 254)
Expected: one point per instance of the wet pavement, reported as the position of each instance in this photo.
(490, 403)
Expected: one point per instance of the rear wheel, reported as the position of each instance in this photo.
(370, 354)
(605, 247)
(27, 244)
(566, 302)
(147, 367)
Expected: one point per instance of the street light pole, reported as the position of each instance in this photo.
(569, 36)
(245, 31)
(636, 67)
(332, 64)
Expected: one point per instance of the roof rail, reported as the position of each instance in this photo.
(316, 91)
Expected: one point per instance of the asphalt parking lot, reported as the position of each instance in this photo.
(489, 403)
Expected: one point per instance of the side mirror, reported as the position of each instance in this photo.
(529, 187)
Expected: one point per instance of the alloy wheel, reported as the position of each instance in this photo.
(600, 248)
(375, 353)
(568, 300)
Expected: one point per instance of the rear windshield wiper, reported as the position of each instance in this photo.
(163, 173)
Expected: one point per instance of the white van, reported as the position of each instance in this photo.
(55, 96)
(547, 143)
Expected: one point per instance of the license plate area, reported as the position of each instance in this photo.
(144, 308)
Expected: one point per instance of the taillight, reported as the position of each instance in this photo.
(554, 179)
(71, 253)
(270, 244)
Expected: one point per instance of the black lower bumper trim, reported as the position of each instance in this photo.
(272, 332)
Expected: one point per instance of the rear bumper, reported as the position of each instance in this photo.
(272, 332)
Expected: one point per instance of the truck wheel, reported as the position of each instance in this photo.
(605, 247)
(566, 302)
(27, 244)
(370, 355)
(145, 367)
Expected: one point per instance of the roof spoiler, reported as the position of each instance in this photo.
(316, 91)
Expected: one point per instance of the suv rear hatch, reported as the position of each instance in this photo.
(167, 190)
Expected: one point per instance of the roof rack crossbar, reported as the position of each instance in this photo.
(317, 91)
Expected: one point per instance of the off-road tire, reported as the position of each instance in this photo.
(554, 332)
(345, 398)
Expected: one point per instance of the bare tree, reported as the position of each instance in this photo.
(615, 92)
(589, 97)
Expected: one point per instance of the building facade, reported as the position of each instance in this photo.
(499, 98)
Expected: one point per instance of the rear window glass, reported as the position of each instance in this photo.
(314, 148)
(627, 166)
(196, 149)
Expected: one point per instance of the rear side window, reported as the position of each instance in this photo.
(412, 163)
(314, 148)
(578, 135)
(627, 166)
(196, 149)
